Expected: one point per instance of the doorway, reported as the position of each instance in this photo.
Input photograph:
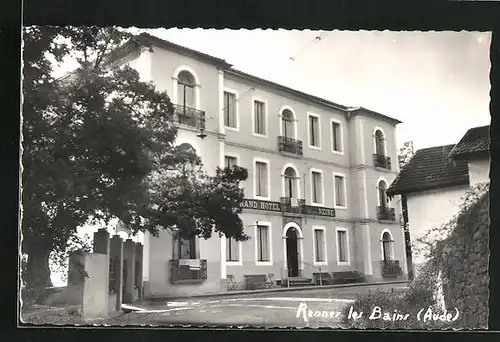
(292, 256)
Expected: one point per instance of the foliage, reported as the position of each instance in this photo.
(405, 153)
(58, 261)
(93, 140)
(431, 244)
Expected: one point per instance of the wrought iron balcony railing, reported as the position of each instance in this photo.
(188, 271)
(390, 268)
(386, 214)
(292, 204)
(382, 161)
(189, 116)
(290, 145)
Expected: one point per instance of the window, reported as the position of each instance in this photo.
(290, 182)
(317, 187)
(340, 200)
(336, 137)
(379, 143)
(230, 161)
(186, 89)
(262, 243)
(319, 245)
(287, 124)
(314, 134)
(230, 109)
(382, 196)
(387, 246)
(259, 109)
(232, 250)
(187, 248)
(342, 246)
(261, 178)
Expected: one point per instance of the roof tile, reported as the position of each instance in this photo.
(430, 168)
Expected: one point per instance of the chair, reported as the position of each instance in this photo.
(232, 284)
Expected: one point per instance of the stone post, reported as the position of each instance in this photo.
(116, 255)
(138, 266)
(129, 271)
(101, 245)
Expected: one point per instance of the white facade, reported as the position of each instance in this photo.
(479, 171)
(431, 209)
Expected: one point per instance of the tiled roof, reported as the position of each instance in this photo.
(147, 39)
(475, 141)
(430, 168)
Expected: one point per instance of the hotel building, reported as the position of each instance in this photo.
(318, 171)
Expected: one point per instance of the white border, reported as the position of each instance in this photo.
(348, 253)
(240, 255)
(341, 133)
(237, 109)
(300, 241)
(268, 197)
(322, 203)
(392, 257)
(325, 253)
(265, 117)
(375, 140)
(335, 192)
(309, 114)
(297, 180)
(378, 189)
(295, 133)
(269, 243)
(175, 79)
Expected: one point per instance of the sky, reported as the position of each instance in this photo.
(436, 83)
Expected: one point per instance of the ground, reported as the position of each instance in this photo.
(279, 309)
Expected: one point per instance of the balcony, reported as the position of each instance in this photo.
(390, 268)
(382, 161)
(386, 214)
(188, 271)
(189, 116)
(292, 204)
(290, 145)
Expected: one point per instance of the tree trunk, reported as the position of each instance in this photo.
(38, 271)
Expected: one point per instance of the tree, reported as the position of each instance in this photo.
(100, 145)
(405, 153)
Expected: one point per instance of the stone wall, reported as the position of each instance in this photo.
(464, 265)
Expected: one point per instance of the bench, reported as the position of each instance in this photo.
(232, 284)
(347, 277)
(256, 281)
(323, 278)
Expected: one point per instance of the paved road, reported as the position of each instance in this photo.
(280, 309)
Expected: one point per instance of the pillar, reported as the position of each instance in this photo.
(128, 271)
(101, 245)
(116, 255)
(138, 267)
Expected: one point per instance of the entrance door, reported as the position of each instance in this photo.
(292, 256)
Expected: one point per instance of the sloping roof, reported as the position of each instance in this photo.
(430, 168)
(146, 39)
(476, 141)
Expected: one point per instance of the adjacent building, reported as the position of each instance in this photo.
(318, 172)
(434, 182)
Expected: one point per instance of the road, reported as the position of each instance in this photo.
(278, 309)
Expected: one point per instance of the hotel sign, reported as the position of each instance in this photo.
(261, 205)
(320, 211)
(278, 207)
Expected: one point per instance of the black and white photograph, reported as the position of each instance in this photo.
(254, 178)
